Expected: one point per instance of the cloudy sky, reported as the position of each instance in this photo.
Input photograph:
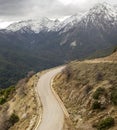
(16, 10)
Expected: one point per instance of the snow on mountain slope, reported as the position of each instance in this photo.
(45, 24)
(42, 24)
(101, 15)
(69, 22)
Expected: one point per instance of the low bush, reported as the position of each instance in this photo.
(2, 101)
(96, 105)
(13, 119)
(6, 93)
(115, 49)
(106, 123)
(99, 91)
(114, 96)
(9, 91)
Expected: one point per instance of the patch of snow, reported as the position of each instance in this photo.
(73, 44)
(69, 23)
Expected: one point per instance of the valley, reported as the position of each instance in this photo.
(41, 44)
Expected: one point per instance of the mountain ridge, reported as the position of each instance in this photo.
(55, 25)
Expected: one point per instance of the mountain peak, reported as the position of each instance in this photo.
(100, 8)
(101, 14)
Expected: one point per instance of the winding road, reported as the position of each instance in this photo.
(53, 115)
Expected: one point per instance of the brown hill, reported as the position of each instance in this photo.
(89, 92)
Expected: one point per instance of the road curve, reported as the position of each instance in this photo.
(53, 116)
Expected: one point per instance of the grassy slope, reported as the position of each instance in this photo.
(76, 86)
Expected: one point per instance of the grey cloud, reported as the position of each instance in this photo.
(23, 9)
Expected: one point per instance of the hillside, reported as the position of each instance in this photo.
(89, 92)
(18, 105)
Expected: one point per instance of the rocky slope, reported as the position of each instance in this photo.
(89, 92)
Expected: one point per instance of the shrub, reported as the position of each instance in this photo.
(6, 92)
(114, 96)
(115, 49)
(13, 119)
(106, 123)
(1, 92)
(67, 71)
(2, 101)
(30, 74)
(98, 92)
(96, 105)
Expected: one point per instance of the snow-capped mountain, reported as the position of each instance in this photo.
(42, 24)
(45, 24)
(101, 16)
(97, 27)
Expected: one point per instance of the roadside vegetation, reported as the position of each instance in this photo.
(13, 119)
(6, 94)
(106, 123)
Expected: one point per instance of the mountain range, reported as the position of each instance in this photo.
(44, 43)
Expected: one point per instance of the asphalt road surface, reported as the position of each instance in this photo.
(53, 115)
